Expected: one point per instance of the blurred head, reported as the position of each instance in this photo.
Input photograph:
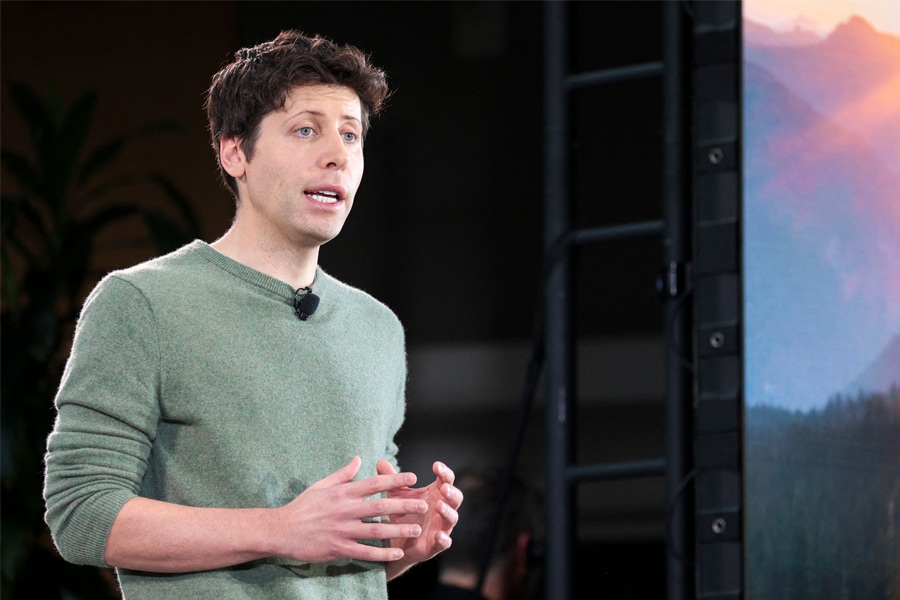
(519, 524)
(261, 77)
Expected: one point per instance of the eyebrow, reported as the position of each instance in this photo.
(318, 113)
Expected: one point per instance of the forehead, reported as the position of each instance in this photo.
(327, 99)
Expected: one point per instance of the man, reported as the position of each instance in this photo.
(513, 570)
(219, 434)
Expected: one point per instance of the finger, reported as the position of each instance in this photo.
(449, 514)
(453, 495)
(440, 542)
(378, 484)
(385, 507)
(443, 472)
(342, 475)
(443, 541)
(384, 467)
(385, 531)
(370, 553)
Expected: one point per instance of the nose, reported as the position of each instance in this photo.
(335, 153)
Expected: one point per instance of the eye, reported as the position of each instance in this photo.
(305, 131)
(350, 136)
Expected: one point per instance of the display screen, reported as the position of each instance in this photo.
(821, 258)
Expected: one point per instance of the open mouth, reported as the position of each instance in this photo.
(324, 196)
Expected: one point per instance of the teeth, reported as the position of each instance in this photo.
(326, 197)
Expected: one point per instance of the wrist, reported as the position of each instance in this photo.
(267, 528)
(398, 567)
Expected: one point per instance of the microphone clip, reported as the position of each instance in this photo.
(305, 303)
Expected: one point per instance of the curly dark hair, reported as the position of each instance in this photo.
(260, 78)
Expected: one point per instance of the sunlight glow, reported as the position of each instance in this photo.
(822, 16)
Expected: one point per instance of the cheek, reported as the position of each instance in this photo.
(361, 167)
(277, 176)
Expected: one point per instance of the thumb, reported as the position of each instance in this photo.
(342, 475)
(384, 467)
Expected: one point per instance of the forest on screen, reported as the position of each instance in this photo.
(826, 499)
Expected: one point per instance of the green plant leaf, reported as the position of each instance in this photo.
(45, 269)
(30, 106)
(77, 122)
(181, 202)
(58, 149)
(99, 194)
(110, 150)
(9, 208)
(19, 215)
(167, 234)
(22, 171)
(89, 227)
(73, 133)
(101, 157)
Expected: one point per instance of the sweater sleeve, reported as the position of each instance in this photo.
(392, 449)
(107, 413)
(399, 411)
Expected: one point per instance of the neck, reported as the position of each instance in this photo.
(295, 266)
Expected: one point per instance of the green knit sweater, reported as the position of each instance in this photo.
(192, 381)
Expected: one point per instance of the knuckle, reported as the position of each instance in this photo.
(372, 553)
(374, 485)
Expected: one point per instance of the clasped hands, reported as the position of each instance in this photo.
(335, 513)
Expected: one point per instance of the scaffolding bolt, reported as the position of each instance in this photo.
(719, 525)
(716, 155)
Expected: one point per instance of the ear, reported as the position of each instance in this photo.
(521, 552)
(232, 157)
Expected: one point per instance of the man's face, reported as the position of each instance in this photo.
(299, 185)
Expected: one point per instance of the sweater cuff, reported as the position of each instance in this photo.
(82, 538)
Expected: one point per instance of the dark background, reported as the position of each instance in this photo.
(447, 229)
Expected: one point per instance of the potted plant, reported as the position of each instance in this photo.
(63, 197)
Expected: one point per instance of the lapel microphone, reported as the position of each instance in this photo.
(305, 303)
